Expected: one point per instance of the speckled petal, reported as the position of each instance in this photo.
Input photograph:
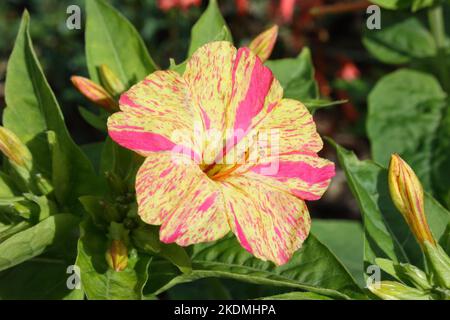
(157, 115)
(172, 191)
(268, 222)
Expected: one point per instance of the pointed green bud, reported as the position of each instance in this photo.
(391, 290)
(14, 149)
(111, 81)
(407, 194)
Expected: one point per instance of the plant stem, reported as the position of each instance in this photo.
(437, 25)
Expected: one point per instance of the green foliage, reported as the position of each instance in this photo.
(112, 40)
(407, 122)
(344, 238)
(296, 76)
(225, 258)
(386, 233)
(32, 242)
(414, 5)
(210, 27)
(120, 257)
(402, 39)
(60, 160)
(101, 282)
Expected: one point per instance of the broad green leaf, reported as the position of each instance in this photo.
(344, 238)
(296, 76)
(7, 188)
(297, 296)
(33, 241)
(386, 233)
(392, 4)
(405, 110)
(94, 152)
(98, 280)
(40, 278)
(49, 275)
(112, 40)
(210, 27)
(210, 289)
(403, 4)
(402, 39)
(31, 111)
(225, 258)
(440, 163)
(146, 238)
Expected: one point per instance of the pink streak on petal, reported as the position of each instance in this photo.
(260, 82)
(208, 203)
(304, 195)
(126, 100)
(174, 236)
(145, 141)
(240, 234)
(206, 119)
(300, 170)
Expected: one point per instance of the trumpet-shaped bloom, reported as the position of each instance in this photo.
(224, 152)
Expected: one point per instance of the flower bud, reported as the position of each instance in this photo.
(416, 276)
(117, 256)
(115, 183)
(263, 44)
(407, 195)
(95, 93)
(391, 290)
(439, 263)
(110, 81)
(14, 149)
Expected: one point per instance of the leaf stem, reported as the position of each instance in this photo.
(437, 25)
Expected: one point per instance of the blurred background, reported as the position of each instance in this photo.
(331, 29)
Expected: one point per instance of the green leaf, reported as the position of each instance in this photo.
(403, 4)
(402, 39)
(296, 76)
(440, 162)
(32, 111)
(7, 188)
(94, 152)
(40, 278)
(210, 27)
(33, 241)
(96, 121)
(297, 296)
(112, 40)
(344, 238)
(392, 4)
(313, 268)
(146, 238)
(386, 233)
(98, 280)
(211, 288)
(405, 110)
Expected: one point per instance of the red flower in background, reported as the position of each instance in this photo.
(242, 6)
(348, 71)
(182, 4)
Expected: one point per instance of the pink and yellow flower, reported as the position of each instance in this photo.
(221, 184)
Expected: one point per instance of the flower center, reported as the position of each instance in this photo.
(219, 172)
